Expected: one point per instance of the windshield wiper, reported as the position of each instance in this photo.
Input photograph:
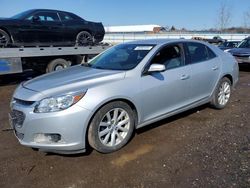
(98, 67)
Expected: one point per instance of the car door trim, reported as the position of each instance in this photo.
(176, 111)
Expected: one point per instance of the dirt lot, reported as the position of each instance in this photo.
(199, 148)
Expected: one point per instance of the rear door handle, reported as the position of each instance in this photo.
(185, 77)
(215, 68)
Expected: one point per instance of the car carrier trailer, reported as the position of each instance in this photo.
(44, 59)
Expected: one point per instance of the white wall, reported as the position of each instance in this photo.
(119, 38)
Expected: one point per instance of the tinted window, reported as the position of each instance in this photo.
(45, 16)
(65, 17)
(170, 56)
(121, 57)
(199, 52)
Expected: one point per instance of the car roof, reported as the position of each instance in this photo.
(162, 41)
(53, 10)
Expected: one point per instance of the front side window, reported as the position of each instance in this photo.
(170, 56)
(199, 52)
(45, 16)
(121, 57)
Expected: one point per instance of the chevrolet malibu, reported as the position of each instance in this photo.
(129, 86)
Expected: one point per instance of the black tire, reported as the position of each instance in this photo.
(95, 127)
(57, 64)
(215, 99)
(84, 38)
(4, 38)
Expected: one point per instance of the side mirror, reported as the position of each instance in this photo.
(35, 18)
(156, 68)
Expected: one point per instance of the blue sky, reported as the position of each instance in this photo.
(191, 14)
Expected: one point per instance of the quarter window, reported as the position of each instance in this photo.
(211, 54)
(199, 52)
(65, 17)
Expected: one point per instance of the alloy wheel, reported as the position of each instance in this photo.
(114, 127)
(224, 93)
(84, 38)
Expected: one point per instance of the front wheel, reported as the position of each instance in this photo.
(112, 127)
(222, 94)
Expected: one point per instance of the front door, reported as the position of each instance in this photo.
(47, 27)
(165, 92)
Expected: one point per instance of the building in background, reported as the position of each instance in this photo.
(134, 29)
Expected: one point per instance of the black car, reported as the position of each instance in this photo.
(228, 45)
(242, 52)
(49, 27)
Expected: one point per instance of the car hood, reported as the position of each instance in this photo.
(240, 51)
(2, 18)
(6, 21)
(77, 78)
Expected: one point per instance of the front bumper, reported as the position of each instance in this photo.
(70, 124)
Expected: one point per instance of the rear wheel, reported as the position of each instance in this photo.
(84, 38)
(57, 64)
(112, 127)
(4, 38)
(222, 94)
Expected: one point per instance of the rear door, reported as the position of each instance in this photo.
(71, 26)
(205, 66)
(165, 92)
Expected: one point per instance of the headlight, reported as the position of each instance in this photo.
(55, 104)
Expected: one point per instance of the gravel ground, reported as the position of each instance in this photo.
(199, 148)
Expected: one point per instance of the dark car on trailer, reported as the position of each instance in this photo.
(49, 27)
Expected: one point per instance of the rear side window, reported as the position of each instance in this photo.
(199, 52)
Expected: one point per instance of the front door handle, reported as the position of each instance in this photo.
(185, 77)
(215, 68)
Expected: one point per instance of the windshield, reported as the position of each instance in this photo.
(121, 57)
(244, 44)
(22, 15)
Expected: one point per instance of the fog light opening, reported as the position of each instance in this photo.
(47, 138)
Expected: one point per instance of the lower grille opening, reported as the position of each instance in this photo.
(17, 118)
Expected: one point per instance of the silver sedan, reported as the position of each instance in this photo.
(127, 87)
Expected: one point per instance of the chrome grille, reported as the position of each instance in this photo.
(17, 118)
(23, 102)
